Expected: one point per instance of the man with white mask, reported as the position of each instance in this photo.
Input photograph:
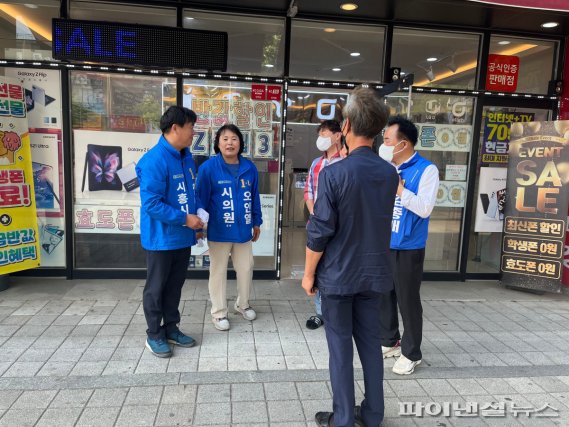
(329, 142)
(415, 200)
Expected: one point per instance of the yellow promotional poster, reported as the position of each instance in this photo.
(19, 240)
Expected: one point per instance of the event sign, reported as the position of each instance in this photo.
(536, 207)
(19, 237)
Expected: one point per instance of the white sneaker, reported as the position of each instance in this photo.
(247, 313)
(221, 324)
(394, 351)
(404, 366)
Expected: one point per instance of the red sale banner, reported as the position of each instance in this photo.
(502, 73)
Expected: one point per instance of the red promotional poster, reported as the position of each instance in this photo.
(258, 92)
(502, 73)
(274, 93)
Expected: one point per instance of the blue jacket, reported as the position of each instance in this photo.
(409, 230)
(167, 194)
(352, 224)
(233, 204)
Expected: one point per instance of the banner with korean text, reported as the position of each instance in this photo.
(19, 240)
(536, 206)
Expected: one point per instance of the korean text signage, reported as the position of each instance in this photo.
(139, 45)
(19, 239)
(497, 136)
(502, 73)
(536, 206)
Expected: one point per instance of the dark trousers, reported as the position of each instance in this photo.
(354, 316)
(407, 273)
(166, 273)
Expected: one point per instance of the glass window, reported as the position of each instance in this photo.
(445, 138)
(256, 45)
(112, 116)
(25, 29)
(332, 51)
(485, 243)
(256, 110)
(99, 11)
(536, 59)
(438, 59)
(42, 91)
(307, 108)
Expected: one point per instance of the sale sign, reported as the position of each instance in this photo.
(502, 73)
(536, 206)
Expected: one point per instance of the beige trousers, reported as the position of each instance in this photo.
(242, 257)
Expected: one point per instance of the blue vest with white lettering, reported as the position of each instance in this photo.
(409, 230)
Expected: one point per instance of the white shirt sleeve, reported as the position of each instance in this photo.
(424, 201)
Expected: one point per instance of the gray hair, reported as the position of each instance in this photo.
(366, 112)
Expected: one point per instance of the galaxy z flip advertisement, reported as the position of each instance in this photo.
(536, 206)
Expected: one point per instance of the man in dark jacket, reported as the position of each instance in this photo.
(168, 222)
(347, 259)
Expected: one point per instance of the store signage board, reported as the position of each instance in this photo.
(143, 45)
(502, 73)
(559, 5)
(536, 206)
(494, 150)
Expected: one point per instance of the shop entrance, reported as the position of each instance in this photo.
(307, 108)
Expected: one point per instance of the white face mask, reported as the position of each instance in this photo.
(386, 152)
(323, 143)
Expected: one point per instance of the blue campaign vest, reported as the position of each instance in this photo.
(409, 230)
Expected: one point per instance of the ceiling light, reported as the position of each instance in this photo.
(189, 18)
(355, 54)
(329, 30)
(503, 42)
(31, 6)
(430, 74)
(348, 6)
(550, 24)
(402, 73)
(269, 65)
(432, 59)
(336, 69)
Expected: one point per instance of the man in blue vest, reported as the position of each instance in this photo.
(168, 224)
(415, 200)
(347, 259)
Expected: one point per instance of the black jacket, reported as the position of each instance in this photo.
(352, 224)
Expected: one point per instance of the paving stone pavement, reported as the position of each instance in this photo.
(72, 353)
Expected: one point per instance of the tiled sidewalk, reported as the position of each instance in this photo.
(72, 353)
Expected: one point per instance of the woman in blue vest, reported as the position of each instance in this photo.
(228, 187)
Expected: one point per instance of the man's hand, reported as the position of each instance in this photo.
(199, 235)
(194, 222)
(401, 187)
(308, 285)
(256, 233)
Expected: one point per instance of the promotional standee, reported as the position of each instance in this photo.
(19, 240)
(42, 91)
(536, 206)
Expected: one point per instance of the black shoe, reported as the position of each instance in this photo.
(314, 322)
(326, 419)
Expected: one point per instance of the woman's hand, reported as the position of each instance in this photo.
(256, 233)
